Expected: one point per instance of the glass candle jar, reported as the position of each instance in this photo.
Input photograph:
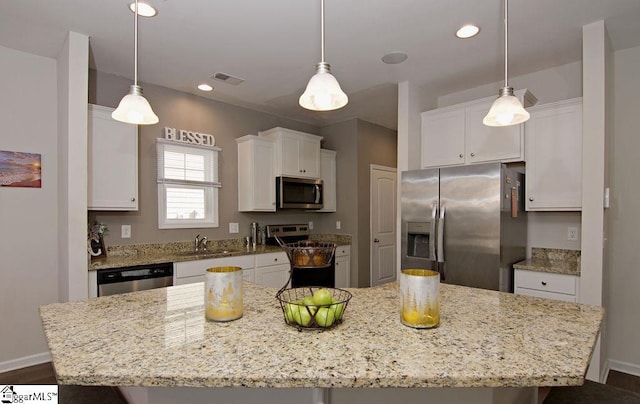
(223, 293)
(420, 298)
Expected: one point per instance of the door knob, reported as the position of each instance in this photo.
(473, 154)
(375, 240)
(531, 199)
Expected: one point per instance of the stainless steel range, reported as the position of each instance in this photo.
(300, 277)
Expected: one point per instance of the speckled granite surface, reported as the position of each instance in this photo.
(552, 260)
(155, 253)
(160, 338)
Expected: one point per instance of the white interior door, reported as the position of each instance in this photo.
(383, 224)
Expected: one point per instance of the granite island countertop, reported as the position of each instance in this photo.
(157, 253)
(558, 261)
(160, 337)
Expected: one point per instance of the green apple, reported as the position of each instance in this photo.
(322, 297)
(288, 312)
(325, 317)
(302, 316)
(338, 309)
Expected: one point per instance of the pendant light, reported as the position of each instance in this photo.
(506, 110)
(133, 107)
(323, 93)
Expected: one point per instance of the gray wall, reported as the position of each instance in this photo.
(376, 145)
(359, 144)
(623, 326)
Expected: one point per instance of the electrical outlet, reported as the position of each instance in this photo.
(572, 233)
(234, 228)
(338, 225)
(125, 231)
(310, 225)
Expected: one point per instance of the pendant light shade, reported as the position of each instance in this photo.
(506, 110)
(323, 92)
(133, 107)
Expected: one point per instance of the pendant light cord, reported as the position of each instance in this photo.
(135, 46)
(506, 40)
(322, 31)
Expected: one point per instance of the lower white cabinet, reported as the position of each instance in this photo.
(343, 266)
(546, 285)
(272, 269)
(194, 271)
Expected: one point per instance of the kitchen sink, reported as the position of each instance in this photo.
(206, 253)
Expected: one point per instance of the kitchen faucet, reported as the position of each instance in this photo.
(200, 242)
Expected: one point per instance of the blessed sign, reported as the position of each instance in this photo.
(189, 137)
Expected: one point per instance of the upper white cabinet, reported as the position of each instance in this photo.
(297, 154)
(554, 156)
(113, 162)
(328, 176)
(256, 174)
(455, 135)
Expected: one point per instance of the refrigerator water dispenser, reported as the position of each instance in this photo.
(419, 238)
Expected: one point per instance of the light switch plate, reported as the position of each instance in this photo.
(125, 231)
(234, 228)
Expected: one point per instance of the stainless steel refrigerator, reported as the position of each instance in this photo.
(467, 222)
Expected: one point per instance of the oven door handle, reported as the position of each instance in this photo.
(317, 193)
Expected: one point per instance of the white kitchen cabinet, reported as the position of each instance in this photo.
(297, 154)
(343, 266)
(256, 174)
(272, 269)
(112, 162)
(328, 176)
(455, 135)
(194, 271)
(554, 156)
(546, 285)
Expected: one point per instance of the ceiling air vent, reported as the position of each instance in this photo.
(227, 78)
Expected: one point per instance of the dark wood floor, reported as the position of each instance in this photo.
(44, 374)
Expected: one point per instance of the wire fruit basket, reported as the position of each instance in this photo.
(301, 311)
(309, 254)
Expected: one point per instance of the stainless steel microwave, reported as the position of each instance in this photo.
(298, 193)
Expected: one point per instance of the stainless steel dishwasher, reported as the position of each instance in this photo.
(132, 279)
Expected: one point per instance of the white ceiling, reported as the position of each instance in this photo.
(274, 45)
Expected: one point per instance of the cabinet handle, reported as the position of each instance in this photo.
(461, 155)
(531, 199)
(473, 154)
(133, 199)
(375, 240)
(275, 259)
(544, 283)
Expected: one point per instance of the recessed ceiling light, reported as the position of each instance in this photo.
(467, 31)
(204, 87)
(144, 9)
(393, 58)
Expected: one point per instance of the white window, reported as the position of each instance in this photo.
(187, 185)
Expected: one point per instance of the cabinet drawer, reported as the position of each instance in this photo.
(547, 295)
(199, 267)
(548, 282)
(342, 250)
(263, 260)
